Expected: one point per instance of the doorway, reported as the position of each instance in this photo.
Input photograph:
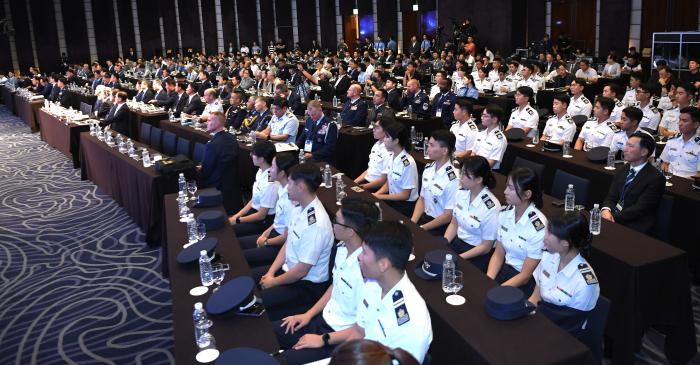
(350, 31)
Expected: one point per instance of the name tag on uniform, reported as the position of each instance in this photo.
(618, 207)
(438, 113)
(308, 145)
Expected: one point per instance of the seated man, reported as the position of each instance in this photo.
(379, 158)
(415, 99)
(299, 275)
(258, 119)
(212, 104)
(337, 308)
(236, 111)
(379, 107)
(319, 136)
(682, 154)
(354, 111)
(650, 115)
(219, 169)
(491, 143)
(390, 310)
(443, 102)
(668, 127)
(613, 91)
(599, 130)
(283, 125)
(579, 105)
(464, 128)
(194, 105)
(560, 128)
(118, 117)
(586, 72)
(636, 189)
(629, 124)
(563, 78)
(433, 210)
(523, 115)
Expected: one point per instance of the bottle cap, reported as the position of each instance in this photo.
(448, 256)
(198, 305)
(203, 252)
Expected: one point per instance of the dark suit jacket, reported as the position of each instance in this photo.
(323, 137)
(203, 86)
(161, 96)
(394, 99)
(375, 113)
(294, 102)
(54, 93)
(641, 199)
(47, 91)
(145, 96)
(355, 114)
(195, 106)
(220, 169)
(414, 48)
(118, 120)
(180, 105)
(102, 108)
(169, 102)
(341, 89)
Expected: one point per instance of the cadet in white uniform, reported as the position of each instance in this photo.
(379, 163)
(651, 116)
(682, 153)
(433, 210)
(284, 124)
(482, 81)
(598, 130)
(529, 80)
(502, 85)
(523, 115)
(464, 128)
(629, 125)
(630, 98)
(213, 104)
(472, 231)
(491, 143)
(613, 91)
(336, 310)
(299, 273)
(668, 127)
(259, 213)
(560, 128)
(579, 105)
(401, 189)
(567, 287)
(520, 233)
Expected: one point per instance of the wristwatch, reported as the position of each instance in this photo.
(265, 242)
(238, 220)
(326, 338)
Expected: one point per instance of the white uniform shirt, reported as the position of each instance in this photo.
(434, 90)
(477, 220)
(341, 310)
(616, 113)
(575, 286)
(630, 98)
(404, 175)
(513, 78)
(439, 188)
(612, 70)
(525, 118)
(212, 107)
(670, 120)
(264, 191)
(560, 129)
(651, 117)
(597, 134)
(400, 319)
(587, 74)
(531, 81)
(309, 241)
(283, 210)
(580, 106)
(379, 162)
(521, 239)
(484, 84)
(493, 75)
(684, 157)
(619, 140)
(491, 146)
(498, 84)
(286, 124)
(465, 135)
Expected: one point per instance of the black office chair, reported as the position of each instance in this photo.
(561, 183)
(169, 143)
(592, 336)
(145, 133)
(155, 141)
(183, 147)
(536, 167)
(579, 120)
(662, 227)
(199, 149)
(85, 108)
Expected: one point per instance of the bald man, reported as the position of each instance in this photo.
(355, 109)
(416, 99)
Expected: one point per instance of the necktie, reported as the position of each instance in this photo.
(629, 178)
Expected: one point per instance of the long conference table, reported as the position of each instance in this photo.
(28, 111)
(65, 137)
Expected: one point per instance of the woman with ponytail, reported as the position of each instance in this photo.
(567, 288)
(368, 352)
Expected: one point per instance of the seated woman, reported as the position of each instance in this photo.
(433, 210)
(474, 226)
(262, 249)
(379, 159)
(520, 234)
(259, 213)
(567, 288)
(401, 189)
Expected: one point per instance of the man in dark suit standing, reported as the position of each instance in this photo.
(637, 188)
(118, 117)
(414, 48)
(219, 167)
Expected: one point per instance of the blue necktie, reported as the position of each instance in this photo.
(628, 182)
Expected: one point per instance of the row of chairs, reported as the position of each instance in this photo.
(169, 143)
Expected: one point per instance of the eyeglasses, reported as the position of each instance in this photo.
(335, 221)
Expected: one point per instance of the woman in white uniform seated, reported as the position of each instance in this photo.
(567, 288)
(401, 189)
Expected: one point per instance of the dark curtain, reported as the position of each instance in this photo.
(386, 20)
(306, 19)
(105, 31)
(76, 31)
(283, 8)
(167, 10)
(248, 23)
(228, 23)
(22, 38)
(47, 42)
(209, 21)
(328, 31)
(189, 25)
(149, 27)
(267, 22)
(614, 30)
(126, 26)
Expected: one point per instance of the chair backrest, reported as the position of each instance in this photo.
(536, 167)
(579, 120)
(145, 133)
(592, 336)
(662, 228)
(183, 147)
(85, 108)
(561, 183)
(199, 152)
(169, 143)
(156, 134)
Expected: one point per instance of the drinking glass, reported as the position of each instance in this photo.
(192, 188)
(455, 287)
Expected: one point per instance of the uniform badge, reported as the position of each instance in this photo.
(435, 200)
(311, 216)
(499, 135)
(406, 162)
(402, 316)
(489, 203)
(451, 175)
(587, 273)
(425, 106)
(545, 273)
(459, 206)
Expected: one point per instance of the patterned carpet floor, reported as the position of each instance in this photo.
(78, 285)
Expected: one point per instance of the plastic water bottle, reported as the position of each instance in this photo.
(413, 133)
(335, 100)
(205, 269)
(191, 229)
(425, 147)
(146, 157)
(409, 110)
(302, 157)
(251, 136)
(379, 207)
(181, 182)
(327, 176)
(536, 137)
(595, 221)
(448, 273)
(611, 160)
(570, 198)
(201, 323)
